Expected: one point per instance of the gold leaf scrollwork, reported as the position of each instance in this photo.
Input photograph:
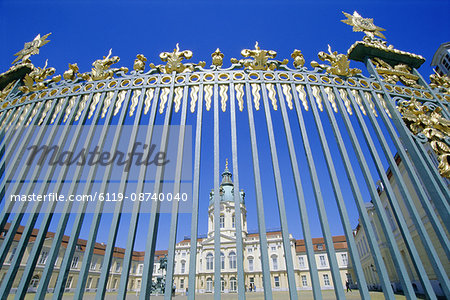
(240, 95)
(273, 99)
(36, 79)
(34, 112)
(287, 94)
(178, 96)
(208, 96)
(148, 99)
(72, 73)
(95, 100)
(316, 93)
(107, 103)
(347, 103)
(358, 101)
(81, 106)
(134, 101)
(120, 99)
(47, 106)
(69, 107)
(371, 104)
(57, 109)
(302, 94)
(174, 61)
(440, 82)
(393, 74)
(223, 96)
(256, 96)
(194, 97)
(163, 97)
(429, 121)
(340, 65)
(331, 98)
(383, 103)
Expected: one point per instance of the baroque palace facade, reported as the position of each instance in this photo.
(205, 257)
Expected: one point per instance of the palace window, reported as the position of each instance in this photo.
(250, 264)
(74, 262)
(326, 280)
(274, 262)
(183, 267)
(209, 261)
(222, 221)
(301, 261)
(209, 285)
(182, 283)
(323, 261)
(233, 284)
(118, 266)
(344, 259)
(276, 280)
(222, 260)
(43, 259)
(233, 221)
(93, 264)
(69, 282)
(304, 280)
(13, 252)
(232, 259)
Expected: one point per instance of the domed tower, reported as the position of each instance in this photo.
(227, 207)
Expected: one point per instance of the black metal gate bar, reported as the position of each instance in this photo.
(175, 204)
(137, 205)
(364, 292)
(259, 197)
(298, 185)
(237, 199)
(195, 195)
(407, 200)
(280, 197)
(154, 215)
(334, 267)
(364, 217)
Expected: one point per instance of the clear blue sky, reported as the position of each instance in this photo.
(83, 31)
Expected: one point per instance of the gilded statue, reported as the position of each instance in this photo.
(261, 59)
(299, 60)
(101, 68)
(36, 79)
(71, 74)
(139, 63)
(340, 65)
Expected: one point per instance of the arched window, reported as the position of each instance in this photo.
(274, 262)
(232, 258)
(209, 285)
(233, 284)
(209, 261)
(222, 260)
(222, 221)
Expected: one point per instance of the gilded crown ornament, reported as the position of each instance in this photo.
(31, 48)
(340, 65)
(174, 61)
(139, 63)
(299, 60)
(217, 58)
(260, 59)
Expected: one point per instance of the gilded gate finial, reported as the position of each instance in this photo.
(174, 59)
(260, 59)
(340, 65)
(71, 74)
(363, 24)
(422, 119)
(299, 60)
(101, 68)
(139, 62)
(217, 58)
(31, 48)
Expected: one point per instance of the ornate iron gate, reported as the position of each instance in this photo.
(373, 119)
